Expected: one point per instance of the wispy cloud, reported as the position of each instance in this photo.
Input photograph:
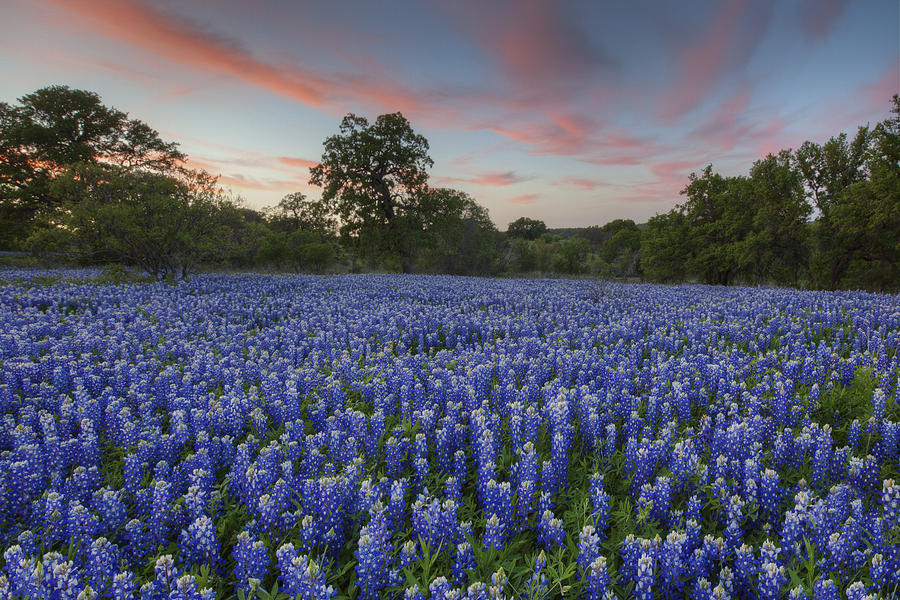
(485, 179)
(581, 182)
(725, 47)
(523, 199)
(293, 161)
(241, 181)
(182, 41)
(819, 17)
(537, 44)
(881, 91)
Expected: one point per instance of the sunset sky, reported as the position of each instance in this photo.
(576, 113)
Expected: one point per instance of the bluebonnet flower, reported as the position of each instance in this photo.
(463, 561)
(111, 511)
(673, 562)
(453, 489)
(301, 576)
(769, 494)
(166, 573)
(878, 572)
(160, 510)
(413, 593)
(373, 556)
(123, 586)
(20, 570)
(495, 533)
(536, 585)
(550, 531)
(409, 553)
(54, 518)
(890, 503)
(746, 567)
(598, 581)
(251, 561)
(588, 547)
(187, 396)
(771, 579)
(600, 502)
(440, 588)
(643, 589)
(102, 564)
(199, 544)
(798, 593)
(81, 524)
(857, 591)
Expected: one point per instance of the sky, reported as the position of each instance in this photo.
(576, 113)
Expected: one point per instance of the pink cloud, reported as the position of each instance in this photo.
(723, 128)
(269, 173)
(819, 16)
(616, 160)
(770, 139)
(228, 157)
(581, 182)
(881, 91)
(244, 182)
(868, 104)
(523, 199)
(563, 134)
(726, 46)
(674, 169)
(619, 148)
(535, 44)
(647, 198)
(486, 179)
(297, 162)
(271, 185)
(662, 190)
(182, 42)
(574, 125)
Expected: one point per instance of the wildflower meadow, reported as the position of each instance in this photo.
(412, 437)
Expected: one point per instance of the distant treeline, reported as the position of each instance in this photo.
(81, 182)
(824, 216)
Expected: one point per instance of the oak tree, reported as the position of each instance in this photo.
(374, 176)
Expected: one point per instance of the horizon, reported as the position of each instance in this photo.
(575, 115)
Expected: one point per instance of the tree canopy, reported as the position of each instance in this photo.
(162, 224)
(85, 180)
(374, 177)
(57, 127)
(526, 228)
(826, 215)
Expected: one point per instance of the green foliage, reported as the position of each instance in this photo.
(526, 228)
(664, 248)
(82, 183)
(162, 224)
(718, 214)
(865, 218)
(373, 177)
(297, 250)
(118, 274)
(295, 211)
(618, 246)
(756, 229)
(457, 235)
(775, 247)
(521, 257)
(571, 256)
(51, 130)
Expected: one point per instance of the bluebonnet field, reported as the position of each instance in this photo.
(415, 437)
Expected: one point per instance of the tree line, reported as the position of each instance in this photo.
(824, 216)
(83, 182)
